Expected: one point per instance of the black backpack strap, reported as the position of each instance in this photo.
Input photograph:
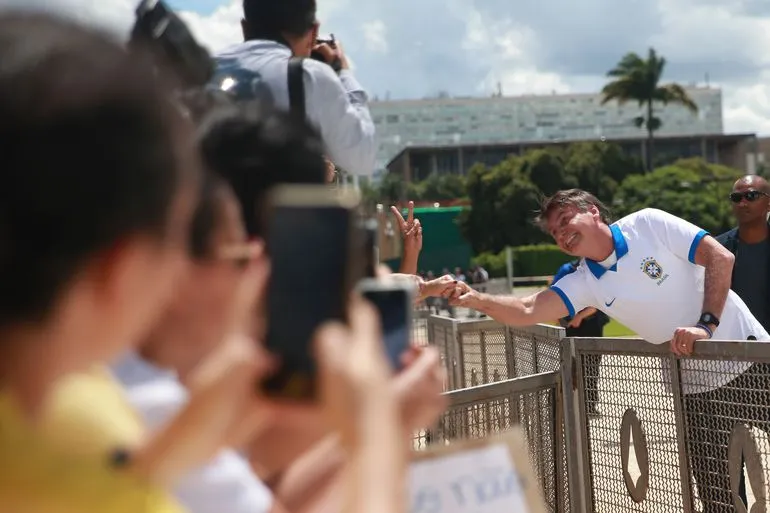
(297, 87)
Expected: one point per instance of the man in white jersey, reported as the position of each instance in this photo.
(667, 280)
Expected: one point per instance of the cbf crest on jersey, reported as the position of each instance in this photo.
(653, 269)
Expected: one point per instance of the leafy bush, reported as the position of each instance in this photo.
(534, 260)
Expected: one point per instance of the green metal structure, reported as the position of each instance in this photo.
(442, 244)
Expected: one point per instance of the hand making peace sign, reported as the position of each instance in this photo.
(411, 229)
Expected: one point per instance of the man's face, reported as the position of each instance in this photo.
(573, 229)
(752, 204)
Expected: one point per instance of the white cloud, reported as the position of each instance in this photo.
(375, 35)
(747, 109)
(506, 46)
(413, 49)
(695, 31)
(219, 29)
(712, 35)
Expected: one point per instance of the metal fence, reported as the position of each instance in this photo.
(656, 433)
(477, 352)
(531, 402)
(499, 377)
(638, 428)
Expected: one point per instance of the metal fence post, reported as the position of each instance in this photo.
(483, 353)
(681, 433)
(457, 349)
(581, 422)
(561, 471)
(578, 502)
(449, 348)
(510, 354)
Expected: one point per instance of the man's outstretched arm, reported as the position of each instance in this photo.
(544, 306)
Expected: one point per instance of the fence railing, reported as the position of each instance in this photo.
(654, 432)
(482, 351)
(615, 425)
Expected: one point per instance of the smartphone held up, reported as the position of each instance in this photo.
(393, 301)
(312, 239)
(321, 251)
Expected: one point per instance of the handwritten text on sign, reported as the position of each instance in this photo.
(482, 480)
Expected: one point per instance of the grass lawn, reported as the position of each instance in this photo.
(615, 329)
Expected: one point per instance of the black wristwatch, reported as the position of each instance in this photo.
(708, 318)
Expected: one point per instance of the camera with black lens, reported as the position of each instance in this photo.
(318, 56)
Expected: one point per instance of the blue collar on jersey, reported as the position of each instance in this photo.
(621, 249)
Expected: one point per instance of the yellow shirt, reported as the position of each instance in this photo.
(88, 414)
(53, 469)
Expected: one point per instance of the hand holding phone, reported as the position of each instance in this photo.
(393, 300)
(313, 243)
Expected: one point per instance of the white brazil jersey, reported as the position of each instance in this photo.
(655, 287)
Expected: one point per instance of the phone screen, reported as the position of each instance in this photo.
(309, 285)
(393, 306)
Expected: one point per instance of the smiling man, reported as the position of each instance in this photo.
(667, 280)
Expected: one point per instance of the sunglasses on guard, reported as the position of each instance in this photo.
(736, 197)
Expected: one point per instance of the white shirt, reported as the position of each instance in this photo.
(655, 287)
(227, 483)
(335, 104)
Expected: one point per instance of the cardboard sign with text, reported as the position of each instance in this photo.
(490, 475)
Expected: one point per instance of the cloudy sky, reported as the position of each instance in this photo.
(417, 48)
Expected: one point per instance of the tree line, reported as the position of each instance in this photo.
(504, 198)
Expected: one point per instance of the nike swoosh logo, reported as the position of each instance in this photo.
(610, 303)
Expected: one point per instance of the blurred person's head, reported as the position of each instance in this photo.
(578, 223)
(199, 315)
(750, 199)
(99, 185)
(291, 21)
(255, 150)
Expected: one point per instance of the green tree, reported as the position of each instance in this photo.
(599, 167)
(441, 187)
(545, 169)
(392, 189)
(690, 188)
(637, 79)
(502, 202)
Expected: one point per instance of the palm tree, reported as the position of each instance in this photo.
(637, 79)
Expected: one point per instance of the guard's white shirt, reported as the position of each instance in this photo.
(227, 483)
(336, 104)
(655, 287)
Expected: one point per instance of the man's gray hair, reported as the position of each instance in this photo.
(578, 198)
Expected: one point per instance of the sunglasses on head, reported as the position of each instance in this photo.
(736, 197)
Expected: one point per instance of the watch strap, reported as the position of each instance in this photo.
(709, 318)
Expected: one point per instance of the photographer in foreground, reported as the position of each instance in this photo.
(279, 34)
